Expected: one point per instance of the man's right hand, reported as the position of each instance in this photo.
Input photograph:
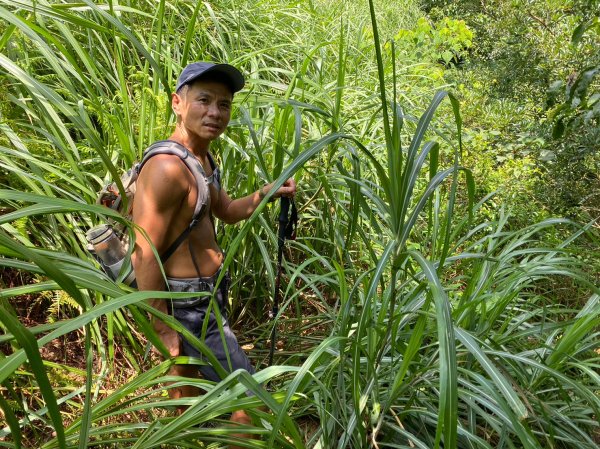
(168, 336)
(170, 339)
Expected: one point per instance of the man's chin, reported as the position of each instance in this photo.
(213, 133)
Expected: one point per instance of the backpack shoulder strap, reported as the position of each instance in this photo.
(215, 177)
(194, 166)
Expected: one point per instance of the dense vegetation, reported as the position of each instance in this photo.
(442, 291)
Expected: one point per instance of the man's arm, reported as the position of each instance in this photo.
(232, 211)
(161, 188)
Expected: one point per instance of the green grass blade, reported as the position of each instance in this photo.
(29, 344)
(503, 384)
(12, 421)
(448, 407)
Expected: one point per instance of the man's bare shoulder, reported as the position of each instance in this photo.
(165, 178)
(165, 168)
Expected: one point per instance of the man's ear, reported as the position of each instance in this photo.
(176, 102)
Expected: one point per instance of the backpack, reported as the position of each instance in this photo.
(109, 242)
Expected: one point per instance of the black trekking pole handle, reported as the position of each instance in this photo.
(283, 226)
(283, 219)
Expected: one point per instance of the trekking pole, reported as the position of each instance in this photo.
(287, 229)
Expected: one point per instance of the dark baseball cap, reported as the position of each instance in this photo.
(231, 76)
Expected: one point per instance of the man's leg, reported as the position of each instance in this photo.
(232, 354)
(238, 360)
(183, 391)
(238, 418)
(193, 319)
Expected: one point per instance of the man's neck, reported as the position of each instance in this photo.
(197, 146)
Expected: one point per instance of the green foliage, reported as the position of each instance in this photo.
(574, 111)
(580, 109)
(448, 40)
(531, 78)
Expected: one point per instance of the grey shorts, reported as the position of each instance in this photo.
(192, 314)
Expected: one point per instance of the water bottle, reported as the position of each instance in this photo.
(110, 251)
(107, 245)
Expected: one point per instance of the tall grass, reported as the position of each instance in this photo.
(408, 320)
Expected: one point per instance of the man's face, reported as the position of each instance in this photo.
(204, 109)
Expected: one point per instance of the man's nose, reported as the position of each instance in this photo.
(214, 110)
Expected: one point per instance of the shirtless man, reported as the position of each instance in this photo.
(164, 204)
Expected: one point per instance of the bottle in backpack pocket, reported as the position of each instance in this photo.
(110, 251)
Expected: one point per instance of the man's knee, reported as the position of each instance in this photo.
(240, 417)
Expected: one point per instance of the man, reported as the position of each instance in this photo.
(164, 203)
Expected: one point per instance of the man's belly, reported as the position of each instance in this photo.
(203, 262)
(198, 256)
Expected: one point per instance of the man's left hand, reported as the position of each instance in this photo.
(288, 189)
